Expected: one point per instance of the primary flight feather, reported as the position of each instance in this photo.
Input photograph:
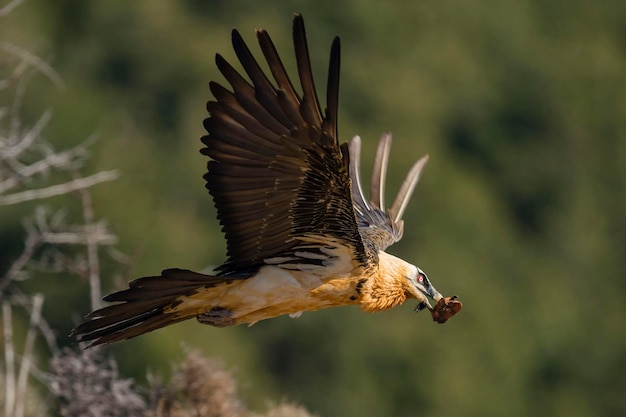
(301, 235)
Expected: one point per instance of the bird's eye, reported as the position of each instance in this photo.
(420, 278)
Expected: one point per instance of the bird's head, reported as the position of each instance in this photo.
(422, 290)
(398, 280)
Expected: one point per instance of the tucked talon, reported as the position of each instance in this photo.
(217, 316)
(420, 307)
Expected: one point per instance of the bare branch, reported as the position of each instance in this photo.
(32, 243)
(15, 120)
(46, 331)
(70, 234)
(36, 62)
(92, 250)
(95, 233)
(27, 355)
(9, 359)
(27, 158)
(8, 8)
(7, 151)
(65, 188)
(69, 160)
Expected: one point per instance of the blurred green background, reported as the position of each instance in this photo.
(521, 211)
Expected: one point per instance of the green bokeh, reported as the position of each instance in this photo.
(521, 210)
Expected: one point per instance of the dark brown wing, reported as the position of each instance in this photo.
(277, 174)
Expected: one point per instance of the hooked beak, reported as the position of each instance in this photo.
(427, 292)
(445, 308)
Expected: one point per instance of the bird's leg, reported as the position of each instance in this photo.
(423, 305)
(217, 316)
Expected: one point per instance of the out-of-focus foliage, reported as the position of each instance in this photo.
(521, 211)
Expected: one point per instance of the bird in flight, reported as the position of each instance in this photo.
(301, 235)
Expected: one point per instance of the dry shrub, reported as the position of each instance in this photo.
(199, 387)
(87, 384)
(285, 409)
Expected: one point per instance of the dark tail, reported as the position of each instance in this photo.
(143, 306)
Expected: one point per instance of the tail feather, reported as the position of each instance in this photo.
(143, 306)
(139, 324)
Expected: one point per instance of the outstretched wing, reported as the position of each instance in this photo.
(279, 180)
(379, 227)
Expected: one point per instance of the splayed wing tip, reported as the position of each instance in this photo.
(379, 171)
(406, 189)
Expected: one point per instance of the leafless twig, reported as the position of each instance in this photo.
(27, 355)
(9, 150)
(9, 7)
(9, 359)
(25, 302)
(60, 189)
(35, 61)
(92, 251)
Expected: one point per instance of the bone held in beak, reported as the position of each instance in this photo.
(445, 308)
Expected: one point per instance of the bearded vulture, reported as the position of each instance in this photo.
(301, 235)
